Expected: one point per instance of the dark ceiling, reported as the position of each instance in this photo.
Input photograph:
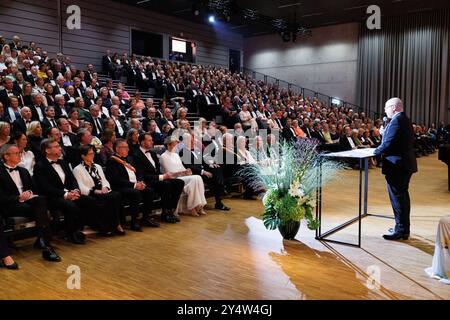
(302, 13)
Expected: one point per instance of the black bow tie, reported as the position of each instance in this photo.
(56, 162)
(148, 151)
(13, 169)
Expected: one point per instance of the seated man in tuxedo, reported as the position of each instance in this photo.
(168, 188)
(49, 120)
(125, 179)
(158, 137)
(288, 132)
(21, 124)
(210, 172)
(57, 182)
(118, 120)
(346, 142)
(8, 91)
(38, 108)
(95, 119)
(18, 197)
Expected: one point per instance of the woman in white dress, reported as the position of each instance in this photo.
(194, 189)
(27, 159)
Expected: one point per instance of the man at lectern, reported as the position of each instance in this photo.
(399, 163)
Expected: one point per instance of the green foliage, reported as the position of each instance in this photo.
(290, 178)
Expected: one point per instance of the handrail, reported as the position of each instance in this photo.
(305, 92)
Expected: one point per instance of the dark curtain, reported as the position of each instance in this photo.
(408, 58)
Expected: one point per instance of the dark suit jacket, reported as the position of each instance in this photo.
(344, 144)
(145, 168)
(49, 182)
(307, 131)
(35, 114)
(318, 136)
(288, 135)
(95, 132)
(4, 99)
(117, 174)
(397, 147)
(19, 125)
(46, 125)
(9, 194)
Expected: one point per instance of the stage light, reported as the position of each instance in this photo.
(211, 19)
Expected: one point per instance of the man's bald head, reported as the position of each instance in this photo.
(393, 106)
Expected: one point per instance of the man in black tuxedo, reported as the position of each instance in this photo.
(7, 92)
(346, 142)
(121, 127)
(107, 64)
(288, 133)
(18, 197)
(89, 73)
(168, 188)
(38, 108)
(210, 172)
(399, 163)
(56, 181)
(307, 127)
(125, 179)
(142, 80)
(208, 105)
(79, 90)
(49, 120)
(166, 119)
(20, 124)
(96, 121)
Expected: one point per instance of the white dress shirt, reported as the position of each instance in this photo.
(150, 158)
(15, 176)
(66, 140)
(59, 170)
(352, 144)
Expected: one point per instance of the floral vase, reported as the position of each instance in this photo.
(289, 229)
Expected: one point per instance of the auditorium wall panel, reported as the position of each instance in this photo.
(326, 62)
(112, 22)
(107, 25)
(30, 20)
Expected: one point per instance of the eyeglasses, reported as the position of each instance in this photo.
(13, 153)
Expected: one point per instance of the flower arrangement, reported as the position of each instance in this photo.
(290, 178)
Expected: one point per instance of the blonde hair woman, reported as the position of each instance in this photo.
(34, 134)
(5, 130)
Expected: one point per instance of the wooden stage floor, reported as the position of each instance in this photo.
(232, 256)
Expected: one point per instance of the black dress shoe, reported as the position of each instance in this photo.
(149, 222)
(169, 218)
(50, 254)
(40, 244)
(249, 197)
(106, 234)
(80, 235)
(13, 266)
(221, 206)
(135, 227)
(396, 236)
(75, 238)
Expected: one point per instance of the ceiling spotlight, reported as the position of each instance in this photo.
(212, 19)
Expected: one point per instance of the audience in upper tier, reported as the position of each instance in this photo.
(94, 152)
